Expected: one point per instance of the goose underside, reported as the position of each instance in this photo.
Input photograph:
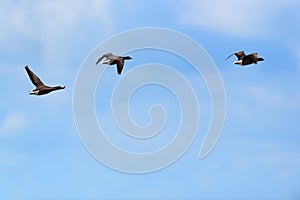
(238, 62)
(45, 90)
(39, 92)
(34, 92)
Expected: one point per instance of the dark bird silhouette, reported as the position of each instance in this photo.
(40, 88)
(244, 59)
(113, 59)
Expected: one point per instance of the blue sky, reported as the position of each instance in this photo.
(257, 156)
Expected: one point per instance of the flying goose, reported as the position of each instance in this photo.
(244, 59)
(113, 59)
(40, 88)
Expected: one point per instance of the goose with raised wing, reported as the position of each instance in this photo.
(40, 87)
(244, 59)
(114, 60)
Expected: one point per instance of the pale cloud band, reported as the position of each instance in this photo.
(13, 123)
(238, 18)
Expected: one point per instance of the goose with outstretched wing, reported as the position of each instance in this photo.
(40, 87)
(244, 59)
(114, 60)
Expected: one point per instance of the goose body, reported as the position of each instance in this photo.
(244, 59)
(40, 87)
(114, 60)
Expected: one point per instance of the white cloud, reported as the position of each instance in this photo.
(284, 159)
(35, 17)
(12, 123)
(53, 29)
(235, 17)
(274, 97)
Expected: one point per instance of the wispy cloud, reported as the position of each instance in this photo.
(266, 96)
(12, 123)
(48, 28)
(36, 18)
(234, 17)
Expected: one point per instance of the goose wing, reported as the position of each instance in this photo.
(107, 55)
(120, 65)
(34, 78)
(229, 56)
(253, 57)
(240, 55)
(99, 59)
